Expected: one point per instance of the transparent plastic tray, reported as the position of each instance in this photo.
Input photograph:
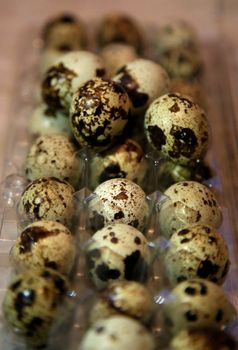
(218, 84)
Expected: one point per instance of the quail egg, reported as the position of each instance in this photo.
(181, 63)
(118, 201)
(47, 199)
(45, 121)
(117, 252)
(117, 333)
(119, 28)
(48, 59)
(177, 128)
(64, 33)
(32, 305)
(125, 160)
(189, 88)
(144, 80)
(116, 56)
(45, 244)
(188, 203)
(68, 73)
(197, 251)
(198, 303)
(99, 113)
(53, 155)
(123, 297)
(203, 339)
(176, 34)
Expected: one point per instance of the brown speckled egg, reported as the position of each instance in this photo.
(32, 302)
(125, 160)
(197, 251)
(47, 199)
(117, 333)
(45, 121)
(45, 244)
(176, 34)
(53, 155)
(188, 203)
(99, 113)
(116, 56)
(67, 74)
(119, 28)
(48, 58)
(181, 63)
(144, 80)
(123, 297)
(64, 33)
(177, 128)
(203, 339)
(118, 201)
(117, 252)
(198, 303)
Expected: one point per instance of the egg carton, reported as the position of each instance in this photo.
(219, 99)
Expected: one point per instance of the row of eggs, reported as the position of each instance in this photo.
(182, 136)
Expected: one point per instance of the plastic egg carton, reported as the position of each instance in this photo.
(218, 83)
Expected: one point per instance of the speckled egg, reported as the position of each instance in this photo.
(118, 201)
(198, 303)
(48, 59)
(45, 244)
(177, 128)
(99, 113)
(144, 80)
(197, 251)
(176, 34)
(47, 199)
(117, 252)
(125, 160)
(64, 33)
(123, 297)
(119, 28)
(181, 63)
(53, 155)
(45, 121)
(116, 56)
(68, 73)
(32, 305)
(117, 333)
(203, 339)
(189, 88)
(188, 203)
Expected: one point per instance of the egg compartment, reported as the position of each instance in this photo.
(160, 285)
(152, 172)
(81, 292)
(228, 235)
(195, 309)
(69, 324)
(169, 173)
(156, 281)
(73, 310)
(181, 212)
(18, 149)
(57, 337)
